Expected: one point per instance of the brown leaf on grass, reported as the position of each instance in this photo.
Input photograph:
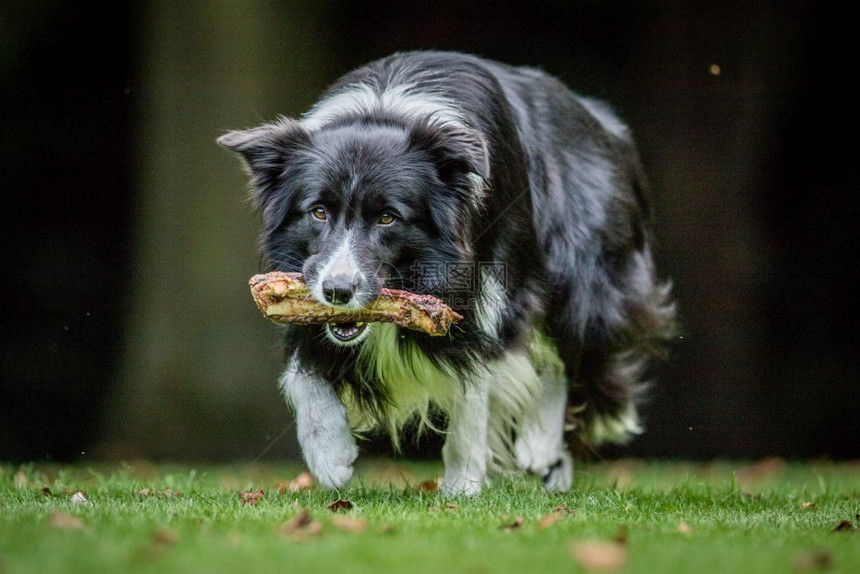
(550, 519)
(165, 537)
(451, 507)
(622, 535)
(145, 492)
(432, 508)
(63, 521)
(809, 506)
(348, 523)
(845, 526)
(515, 525)
(301, 526)
(302, 482)
(251, 498)
(597, 555)
(339, 505)
(813, 560)
(684, 528)
(429, 485)
(45, 491)
(563, 508)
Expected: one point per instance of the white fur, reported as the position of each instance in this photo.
(491, 305)
(539, 446)
(484, 411)
(522, 393)
(466, 451)
(324, 435)
(515, 391)
(402, 99)
(341, 262)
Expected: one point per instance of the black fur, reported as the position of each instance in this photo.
(563, 210)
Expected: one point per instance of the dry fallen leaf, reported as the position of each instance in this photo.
(348, 523)
(808, 506)
(599, 555)
(549, 520)
(46, 491)
(301, 526)
(813, 560)
(844, 526)
(339, 505)
(302, 482)
(515, 525)
(684, 528)
(251, 498)
(63, 521)
(451, 506)
(429, 485)
(563, 508)
(164, 537)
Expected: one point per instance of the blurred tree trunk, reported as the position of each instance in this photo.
(200, 368)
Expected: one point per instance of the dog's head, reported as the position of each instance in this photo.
(356, 205)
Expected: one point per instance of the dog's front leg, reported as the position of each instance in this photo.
(466, 452)
(324, 435)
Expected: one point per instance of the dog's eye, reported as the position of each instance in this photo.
(386, 218)
(319, 213)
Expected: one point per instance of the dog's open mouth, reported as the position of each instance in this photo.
(346, 332)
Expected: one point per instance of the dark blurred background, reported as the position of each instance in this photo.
(125, 241)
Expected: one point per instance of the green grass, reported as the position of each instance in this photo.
(669, 517)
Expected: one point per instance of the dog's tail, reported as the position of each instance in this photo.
(609, 380)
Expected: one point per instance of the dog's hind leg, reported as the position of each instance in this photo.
(539, 446)
(466, 452)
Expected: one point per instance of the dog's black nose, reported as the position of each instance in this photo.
(338, 290)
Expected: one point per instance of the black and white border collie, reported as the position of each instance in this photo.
(498, 190)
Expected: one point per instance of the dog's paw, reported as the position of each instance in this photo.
(461, 485)
(559, 476)
(329, 449)
(467, 480)
(332, 467)
(333, 470)
(536, 452)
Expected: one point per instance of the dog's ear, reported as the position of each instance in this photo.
(264, 151)
(459, 153)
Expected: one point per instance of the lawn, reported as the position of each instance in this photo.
(629, 516)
